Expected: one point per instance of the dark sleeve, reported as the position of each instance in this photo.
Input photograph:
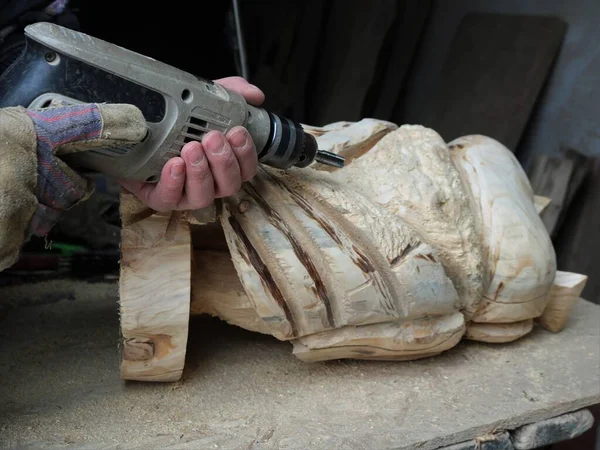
(15, 15)
(12, 10)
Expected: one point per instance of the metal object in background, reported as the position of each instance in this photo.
(241, 47)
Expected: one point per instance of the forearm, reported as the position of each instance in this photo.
(18, 178)
(36, 185)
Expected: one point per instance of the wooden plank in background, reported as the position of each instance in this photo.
(495, 70)
(558, 178)
(578, 243)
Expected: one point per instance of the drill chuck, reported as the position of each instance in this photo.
(289, 145)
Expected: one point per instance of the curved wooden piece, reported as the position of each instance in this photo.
(519, 253)
(392, 341)
(154, 292)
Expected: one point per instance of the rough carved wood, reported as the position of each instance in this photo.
(413, 246)
(154, 291)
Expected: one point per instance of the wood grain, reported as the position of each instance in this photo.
(519, 251)
(154, 292)
(565, 292)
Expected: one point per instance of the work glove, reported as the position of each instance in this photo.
(36, 185)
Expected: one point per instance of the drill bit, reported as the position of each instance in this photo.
(329, 159)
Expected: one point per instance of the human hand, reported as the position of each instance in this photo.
(212, 168)
(37, 186)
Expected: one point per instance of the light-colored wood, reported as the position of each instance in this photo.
(397, 341)
(541, 203)
(520, 255)
(498, 332)
(154, 292)
(349, 139)
(316, 256)
(409, 174)
(414, 245)
(564, 294)
(217, 291)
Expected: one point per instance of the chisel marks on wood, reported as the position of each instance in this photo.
(398, 260)
(172, 226)
(154, 291)
(351, 242)
(136, 217)
(401, 340)
(320, 289)
(266, 277)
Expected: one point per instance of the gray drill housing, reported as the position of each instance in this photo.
(193, 106)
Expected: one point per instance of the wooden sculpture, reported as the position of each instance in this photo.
(413, 246)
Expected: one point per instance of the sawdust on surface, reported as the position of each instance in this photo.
(61, 387)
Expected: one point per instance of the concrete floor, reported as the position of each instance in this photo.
(60, 385)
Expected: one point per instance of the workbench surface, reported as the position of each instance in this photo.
(61, 389)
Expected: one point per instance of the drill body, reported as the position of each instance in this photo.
(59, 64)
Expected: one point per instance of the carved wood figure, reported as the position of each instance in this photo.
(413, 246)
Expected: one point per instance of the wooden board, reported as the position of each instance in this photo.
(578, 243)
(61, 386)
(493, 76)
(558, 178)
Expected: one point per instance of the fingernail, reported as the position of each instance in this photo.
(197, 158)
(239, 138)
(177, 170)
(216, 144)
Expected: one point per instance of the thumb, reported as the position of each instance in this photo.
(73, 128)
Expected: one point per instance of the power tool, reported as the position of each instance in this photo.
(71, 67)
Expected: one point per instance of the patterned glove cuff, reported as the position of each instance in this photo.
(58, 187)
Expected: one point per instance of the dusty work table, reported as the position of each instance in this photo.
(61, 389)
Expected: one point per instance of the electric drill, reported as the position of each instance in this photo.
(72, 67)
